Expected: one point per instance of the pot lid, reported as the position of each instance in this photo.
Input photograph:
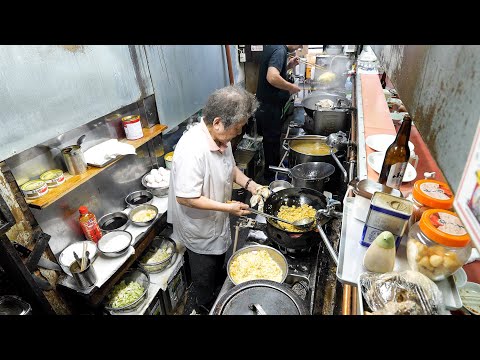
(13, 305)
(257, 296)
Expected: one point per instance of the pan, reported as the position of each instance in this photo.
(298, 239)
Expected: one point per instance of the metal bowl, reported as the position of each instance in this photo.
(159, 192)
(158, 243)
(278, 185)
(140, 208)
(276, 255)
(138, 275)
(111, 236)
(66, 257)
(139, 197)
(113, 221)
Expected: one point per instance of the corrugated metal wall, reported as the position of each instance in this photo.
(184, 76)
(46, 90)
(440, 86)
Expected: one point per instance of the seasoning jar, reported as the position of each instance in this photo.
(438, 245)
(429, 194)
(364, 190)
(53, 178)
(34, 189)
(132, 127)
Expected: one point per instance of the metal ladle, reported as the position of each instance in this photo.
(304, 223)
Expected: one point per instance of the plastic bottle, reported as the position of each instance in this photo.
(89, 224)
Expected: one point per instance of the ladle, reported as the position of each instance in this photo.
(304, 223)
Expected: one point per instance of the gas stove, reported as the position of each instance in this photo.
(302, 263)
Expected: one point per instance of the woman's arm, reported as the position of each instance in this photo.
(204, 203)
(241, 179)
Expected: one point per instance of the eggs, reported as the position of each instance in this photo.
(158, 178)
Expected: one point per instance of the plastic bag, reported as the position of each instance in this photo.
(401, 293)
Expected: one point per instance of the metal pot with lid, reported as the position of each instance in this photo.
(326, 120)
(260, 297)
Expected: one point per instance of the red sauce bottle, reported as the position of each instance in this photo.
(89, 225)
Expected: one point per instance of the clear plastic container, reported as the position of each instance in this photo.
(429, 194)
(438, 245)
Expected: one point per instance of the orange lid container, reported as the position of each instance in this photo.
(433, 193)
(444, 227)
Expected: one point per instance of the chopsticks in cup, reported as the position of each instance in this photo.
(84, 259)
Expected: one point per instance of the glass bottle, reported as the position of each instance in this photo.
(397, 156)
(89, 224)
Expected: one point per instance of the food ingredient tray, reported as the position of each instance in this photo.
(351, 253)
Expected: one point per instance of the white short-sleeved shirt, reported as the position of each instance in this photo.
(200, 167)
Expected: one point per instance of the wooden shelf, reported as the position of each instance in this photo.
(74, 181)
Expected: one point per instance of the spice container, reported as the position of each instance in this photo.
(364, 190)
(168, 160)
(438, 245)
(34, 189)
(132, 127)
(429, 194)
(386, 213)
(53, 178)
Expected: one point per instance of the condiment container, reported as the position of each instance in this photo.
(386, 213)
(74, 159)
(429, 194)
(34, 189)
(132, 127)
(364, 190)
(89, 224)
(168, 160)
(438, 245)
(53, 178)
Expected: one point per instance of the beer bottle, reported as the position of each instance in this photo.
(397, 156)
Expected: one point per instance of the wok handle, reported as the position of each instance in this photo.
(328, 245)
(268, 215)
(279, 169)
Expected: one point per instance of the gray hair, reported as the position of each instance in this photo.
(231, 103)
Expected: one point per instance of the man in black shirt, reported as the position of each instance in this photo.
(273, 92)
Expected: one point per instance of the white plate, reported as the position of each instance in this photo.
(381, 142)
(460, 277)
(375, 161)
(471, 289)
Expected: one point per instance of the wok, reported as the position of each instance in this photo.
(298, 239)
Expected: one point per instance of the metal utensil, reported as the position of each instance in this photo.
(79, 262)
(257, 308)
(81, 139)
(301, 224)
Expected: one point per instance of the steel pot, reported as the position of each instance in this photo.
(324, 121)
(298, 154)
(260, 297)
(74, 159)
(298, 239)
(311, 175)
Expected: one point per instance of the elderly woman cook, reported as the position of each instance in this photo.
(201, 180)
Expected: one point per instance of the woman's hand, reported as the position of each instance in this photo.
(238, 208)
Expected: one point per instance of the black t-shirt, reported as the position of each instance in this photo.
(273, 55)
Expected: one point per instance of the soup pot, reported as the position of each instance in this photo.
(324, 121)
(309, 148)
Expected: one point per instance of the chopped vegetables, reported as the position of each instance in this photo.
(123, 294)
(154, 259)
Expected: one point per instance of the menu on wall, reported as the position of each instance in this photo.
(467, 199)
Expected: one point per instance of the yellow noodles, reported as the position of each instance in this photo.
(255, 265)
(293, 213)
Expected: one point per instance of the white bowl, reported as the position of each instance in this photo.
(470, 295)
(381, 142)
